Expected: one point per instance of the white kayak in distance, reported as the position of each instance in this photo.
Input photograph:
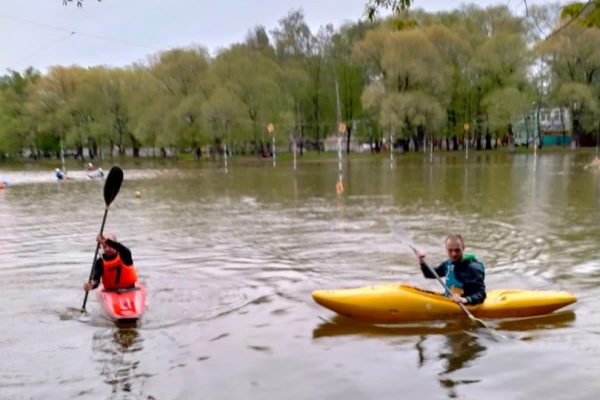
(97, 173)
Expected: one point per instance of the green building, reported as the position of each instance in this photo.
(555, 127)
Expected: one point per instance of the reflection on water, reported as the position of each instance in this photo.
(451, 385)
(561, 319)
(71, 313)
(459, 347)
(339, 325)
(458, 352)
(125, 337)
(230, 260)
(115, 352)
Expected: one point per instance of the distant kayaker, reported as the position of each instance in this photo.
(464, 273)
(59, 174)
(92, 172)
(115, 268)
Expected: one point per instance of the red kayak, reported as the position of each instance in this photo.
(123, 304)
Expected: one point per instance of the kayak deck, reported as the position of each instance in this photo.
(123, 304)
(404, 303)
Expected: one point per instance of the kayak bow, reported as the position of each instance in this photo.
(123, 304)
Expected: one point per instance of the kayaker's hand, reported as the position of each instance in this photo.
(458, 299)
(88, 286)
(101, 240)
(420, 256)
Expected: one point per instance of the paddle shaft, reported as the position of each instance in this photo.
(95, 257)
(462, 307)
(111, 188)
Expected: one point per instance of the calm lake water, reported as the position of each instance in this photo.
(230, 260)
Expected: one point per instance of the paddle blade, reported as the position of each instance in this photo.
(113, 184)
(403, 237)
(492, 333)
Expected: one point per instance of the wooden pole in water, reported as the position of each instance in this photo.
(62, 157)
(271, 129)
(597, 139)
(466, 127)
(431, 147)
(294, 147)
(339, 186)
(391, 146)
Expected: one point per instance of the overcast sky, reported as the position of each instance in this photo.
(42, 33)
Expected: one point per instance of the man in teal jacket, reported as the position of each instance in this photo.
(464, 273)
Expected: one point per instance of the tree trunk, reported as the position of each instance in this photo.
(539, 127)
(349, 129)
(301, 139)
(511, 139)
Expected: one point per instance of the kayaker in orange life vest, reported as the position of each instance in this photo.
(115, 268)
(464, 273)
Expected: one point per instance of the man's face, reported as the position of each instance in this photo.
(455, 249)
(109, 251)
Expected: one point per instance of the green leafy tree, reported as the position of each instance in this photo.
(585, 13)
(222, 116)
(54, 105)
(17, 129)
(409, 80)
(148, 108)
(260, 92)
(349, 78)
(573, 57)
(186, 82)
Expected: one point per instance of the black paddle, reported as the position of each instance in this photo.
(111, 188)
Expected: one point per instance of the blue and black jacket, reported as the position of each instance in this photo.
(467, 274)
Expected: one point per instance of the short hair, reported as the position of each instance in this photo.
(455, 236)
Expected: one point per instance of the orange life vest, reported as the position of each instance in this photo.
(116, 275)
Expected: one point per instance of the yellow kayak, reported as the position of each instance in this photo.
(403, 303)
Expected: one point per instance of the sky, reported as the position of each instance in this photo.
(42, 33)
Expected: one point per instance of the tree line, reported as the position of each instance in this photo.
(418, 75)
